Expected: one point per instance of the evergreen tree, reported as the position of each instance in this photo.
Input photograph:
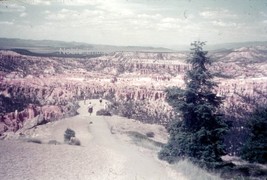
(255, 148)
(198, 133)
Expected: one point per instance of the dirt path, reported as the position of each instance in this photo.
(127, 160)
(132, 163)
(102, 155)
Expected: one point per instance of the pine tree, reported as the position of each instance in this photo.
(198, 134)
(255, 148)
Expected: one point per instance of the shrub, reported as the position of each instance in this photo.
(169, 153)
(74, 141)
(254, 149)
(37, 141)
(103, 112)
(150, 134)
(136, 135)
(143, 140)
(68, 134)
(126, 109)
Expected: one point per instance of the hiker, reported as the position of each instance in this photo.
(100, 100)
(106, 105)
(90, 108)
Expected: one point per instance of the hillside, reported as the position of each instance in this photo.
(106, 151)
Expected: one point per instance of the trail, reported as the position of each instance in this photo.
(103, 155)
(127, 160)
(132, 162)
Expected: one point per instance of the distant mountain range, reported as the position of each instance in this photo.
(50, 46)
(57, 47)
(221, 46)
(236, 45)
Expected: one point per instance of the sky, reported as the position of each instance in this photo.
(135, 22)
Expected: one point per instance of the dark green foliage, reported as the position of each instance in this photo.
(198, 133)
(150, 134)
(255, 148)
(32, 140)
(125, 109)
(10, 104)
(68, 134)
(141, 139)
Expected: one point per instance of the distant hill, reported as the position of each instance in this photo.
(80, 49)
(221, 46)
(235, 45)
(49, 46)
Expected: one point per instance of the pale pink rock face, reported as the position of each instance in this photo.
(51, 112)
(3, 127)
(56, 81)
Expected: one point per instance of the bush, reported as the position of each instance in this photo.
(37, 141)
(169, 153)
(69, 133)
(103, 112)
(143, 140)
(254, 149)
(150, 134)
(126, 109)
(140, 110)
(74, 141)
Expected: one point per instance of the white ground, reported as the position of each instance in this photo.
(106, 152)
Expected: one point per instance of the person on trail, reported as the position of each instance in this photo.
(106, 105)
(100, 100)
(90, 108)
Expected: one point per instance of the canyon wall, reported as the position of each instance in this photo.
(49, 87)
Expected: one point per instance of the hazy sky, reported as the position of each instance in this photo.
(135, 22)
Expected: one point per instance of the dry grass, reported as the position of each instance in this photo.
(187, 168)
(142, 140)
(34, 140)
(193, 172)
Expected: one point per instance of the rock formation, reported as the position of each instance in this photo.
(48, 87)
